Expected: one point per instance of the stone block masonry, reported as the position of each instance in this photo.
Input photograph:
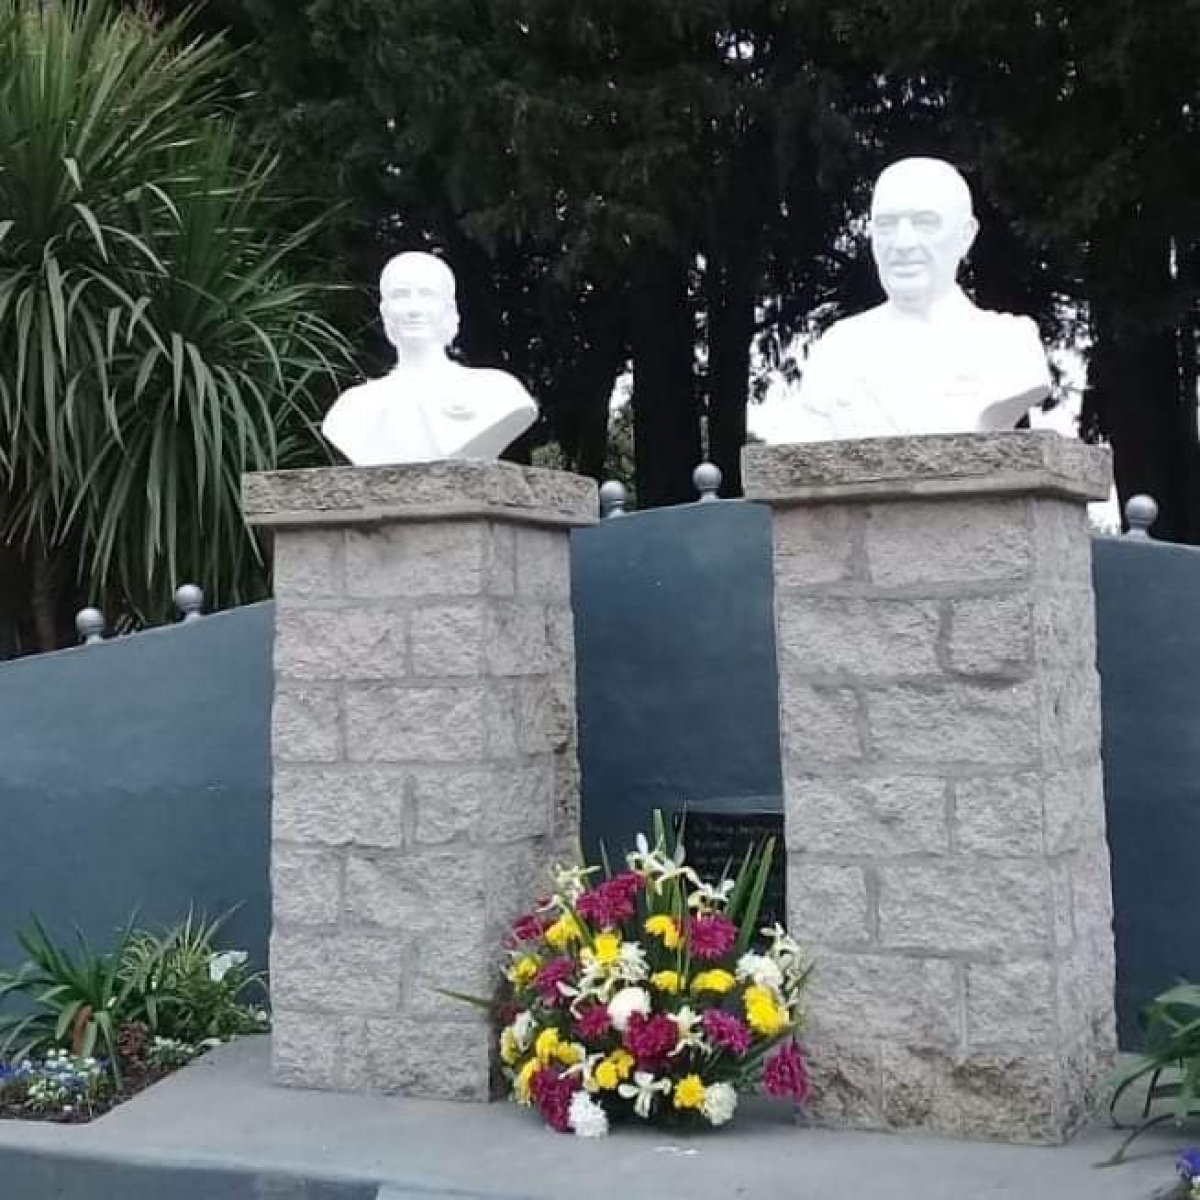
(944, 821)
(424, 746)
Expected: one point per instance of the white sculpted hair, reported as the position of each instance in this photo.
(939, 173)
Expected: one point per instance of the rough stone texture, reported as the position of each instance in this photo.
(344, 496)
(943, 794)
(425, 756)
(967, 464)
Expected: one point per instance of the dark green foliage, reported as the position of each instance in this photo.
(154, 343)
(1170, 1064)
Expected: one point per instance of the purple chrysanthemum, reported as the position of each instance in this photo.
(594, 1023)
(726, 1031)
(711, 937)
(786, 1075)
(1188, 1164)
(556, 971)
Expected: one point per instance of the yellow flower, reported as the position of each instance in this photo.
(666, 928)
(606, 1075)
(666, 981)
(522, 1081)
(689, 1092)
(509, 1050)
(713, 981)
(624, 1062)
(763, 1013)
(564, 930)
(607, 948)
(546, 1046)
(524, 970)
(568, 1053)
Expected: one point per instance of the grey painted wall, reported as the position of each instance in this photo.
(134, 775)
(1149, 637)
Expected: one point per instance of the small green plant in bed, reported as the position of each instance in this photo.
(92, 1028)
(1169, 1067)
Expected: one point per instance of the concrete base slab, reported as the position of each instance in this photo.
(218, 1130)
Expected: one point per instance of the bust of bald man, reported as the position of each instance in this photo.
(428, 407)
(927, 360)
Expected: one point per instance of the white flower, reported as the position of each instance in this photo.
(625, 1003)
(642, 1091)
(587, 1117)
(219, 965)
(709, 897)
(523, 1028)
(631, 965)
(720, 1103)
(571, 882)
(762, 969)
(657, 865)
(687, 1023)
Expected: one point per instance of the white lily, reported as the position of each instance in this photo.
(687, 1023)
(642, 1091)
(572, 882)
(711, 897)
(631, 965)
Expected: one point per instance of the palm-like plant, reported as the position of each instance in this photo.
(153, 342)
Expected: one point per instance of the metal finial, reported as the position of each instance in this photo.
(707, 477)
(613, 498)
(189, 599)
(89, 624)
(1141, 512)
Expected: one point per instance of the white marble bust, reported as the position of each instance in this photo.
(427, 407)
(927, 360)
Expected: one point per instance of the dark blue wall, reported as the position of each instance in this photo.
(134, 775)
(1149, 637)
(675, 640)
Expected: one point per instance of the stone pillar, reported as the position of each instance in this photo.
(425, 771)
(940, 726)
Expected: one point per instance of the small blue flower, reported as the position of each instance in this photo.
(1188, 1164)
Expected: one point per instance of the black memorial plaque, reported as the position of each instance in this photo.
(717, 843)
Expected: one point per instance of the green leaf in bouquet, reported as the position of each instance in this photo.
(760, 873)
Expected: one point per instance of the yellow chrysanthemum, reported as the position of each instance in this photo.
(666, 981)
(509, 1050)
(524, 970)
(522, 1081)
(713, 981)
(764, 1014)
(624, 1062)
(607, 948)
(606, 1075)
(568, 1053)
(666, 928)
(562, 932)
(689, 1092)
(546, 1046)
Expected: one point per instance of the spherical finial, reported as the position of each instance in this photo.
(89, 624)
(613, 498)
(1141, 512)
(189, 599)
(707, 477)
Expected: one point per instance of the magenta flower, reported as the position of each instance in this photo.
(594, 1023)
(786, 1075)
(711, 937)
(556, 971)
(726, 1031)
(650, 1039)
(552, 1094)
(528, 928)
(612, 902)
